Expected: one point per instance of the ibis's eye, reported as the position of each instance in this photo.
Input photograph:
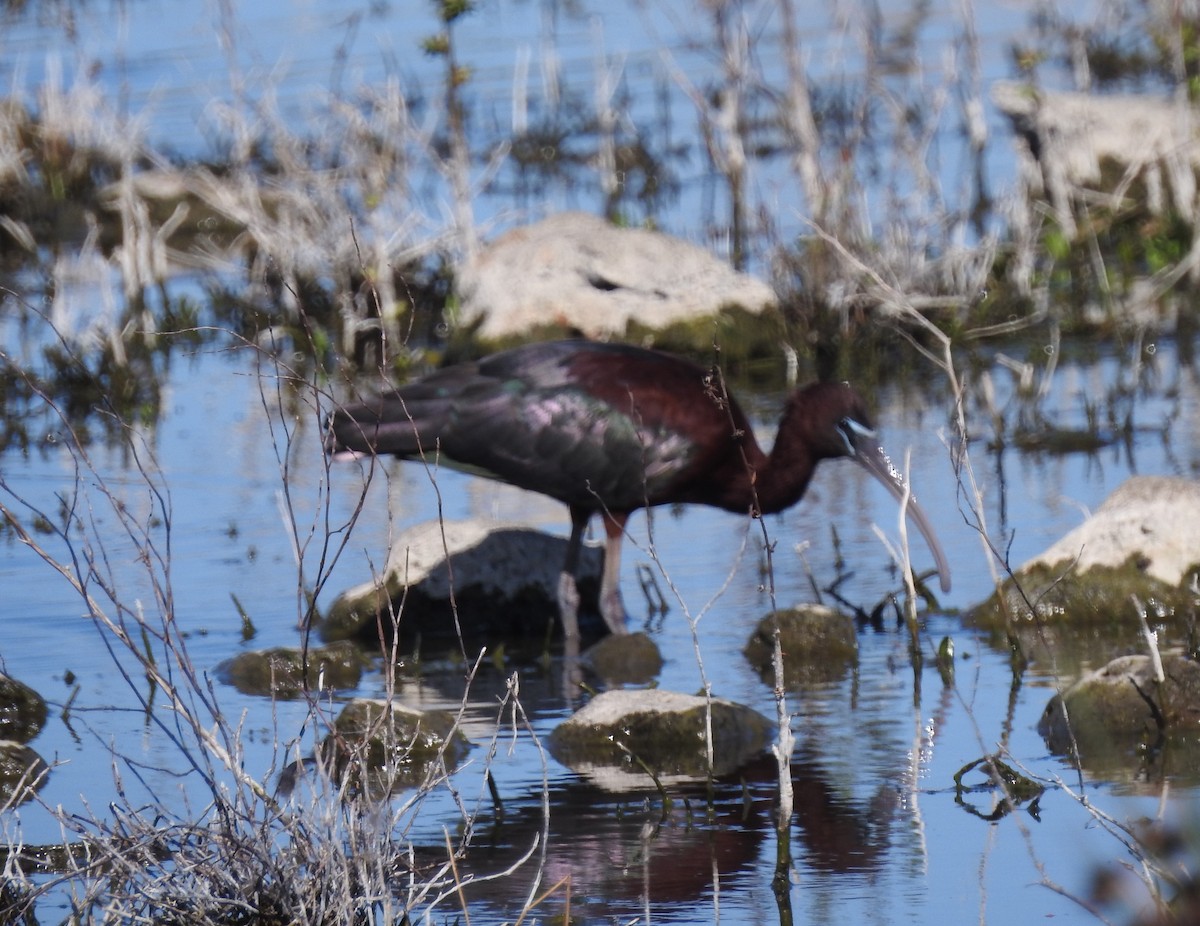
(853, 433)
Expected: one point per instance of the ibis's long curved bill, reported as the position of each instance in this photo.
(871, 456)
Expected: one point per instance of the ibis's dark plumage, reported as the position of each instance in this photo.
(612, 428)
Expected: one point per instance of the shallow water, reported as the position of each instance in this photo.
(878, 835)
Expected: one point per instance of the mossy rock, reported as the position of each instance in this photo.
(22, 772)
(625, 737)
(280, 672)
(22, 711)
(624, 659)
(386, 746)
(1115, 719)
(1099, 597)
(819, 644)
(1142, 541)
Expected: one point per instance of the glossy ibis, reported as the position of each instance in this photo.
(611, 428)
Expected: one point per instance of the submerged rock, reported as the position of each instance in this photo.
(625, 659)
(1144, 541)
(1120, 716)
(281, 671)
(818, 643)
(22, 772)
(505, 585)
(385, 746)
(22, 711)
(579, 271)
(627, 738)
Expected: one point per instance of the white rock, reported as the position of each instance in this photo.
(579, 270)
(1077, 131)
(496, 556)
(1156, 518)
(610, 708)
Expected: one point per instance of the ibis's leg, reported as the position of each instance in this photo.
(568, 590)
(612, 608)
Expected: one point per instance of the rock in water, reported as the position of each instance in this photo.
(579, 271)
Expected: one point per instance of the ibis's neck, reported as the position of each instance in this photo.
(785, 473)
(772, 482)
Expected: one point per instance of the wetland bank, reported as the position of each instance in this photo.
(191, 276)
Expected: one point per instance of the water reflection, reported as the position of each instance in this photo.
(617, 857)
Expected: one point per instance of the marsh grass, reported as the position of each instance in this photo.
(320, 216)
